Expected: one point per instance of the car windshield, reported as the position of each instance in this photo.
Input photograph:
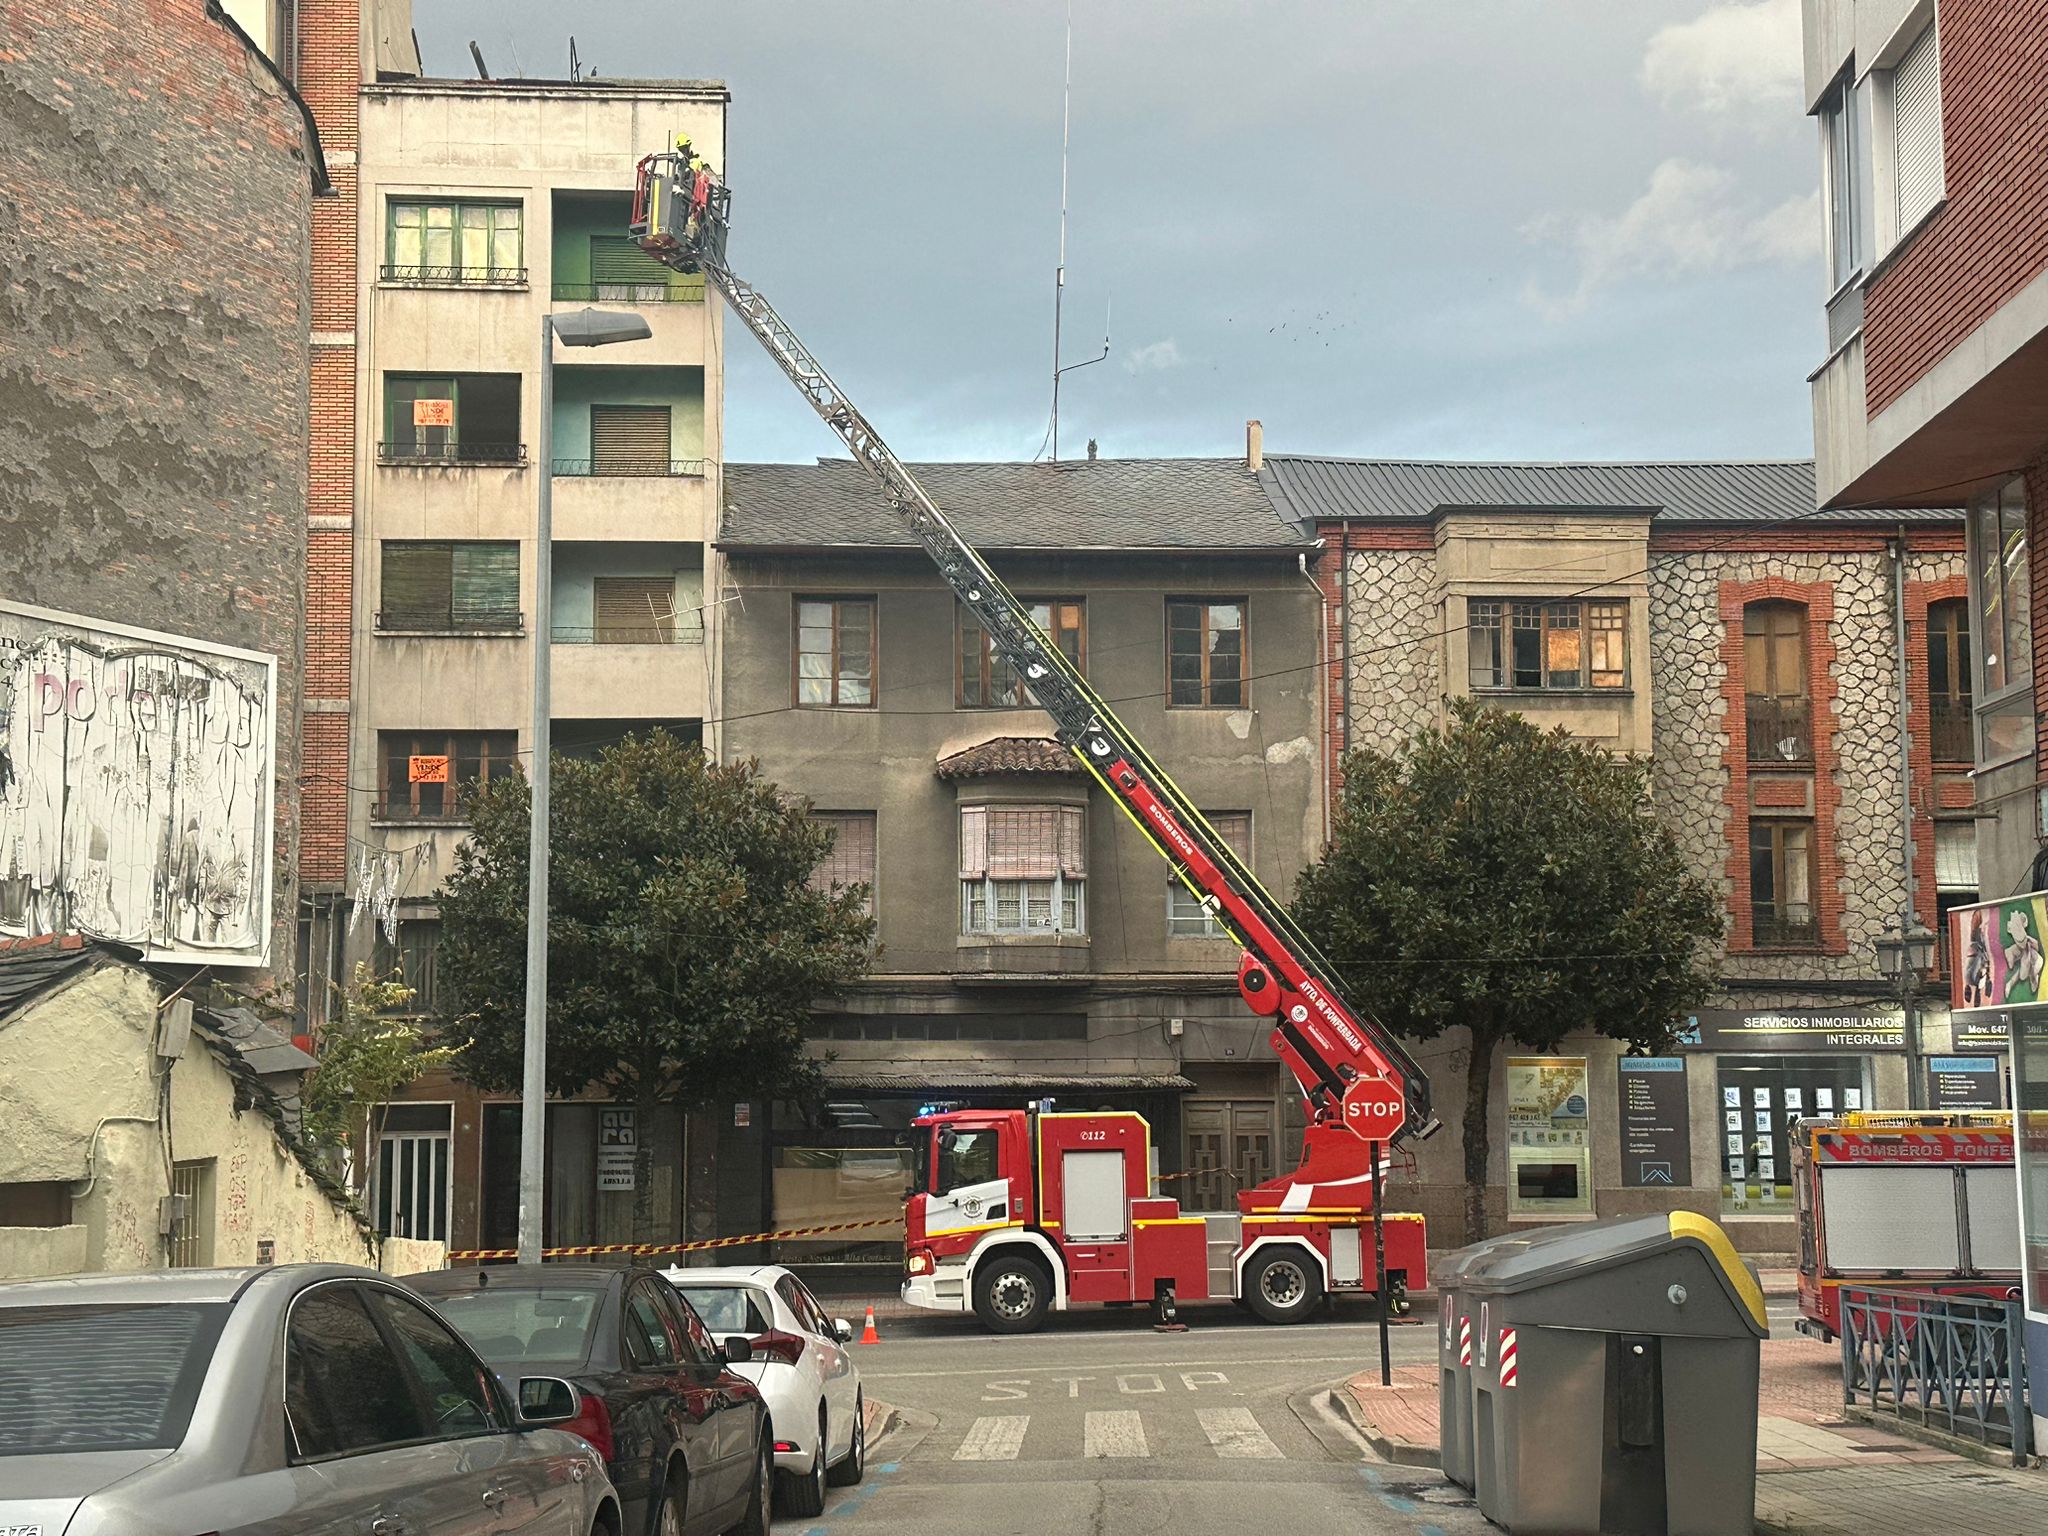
(728, 1309)
(514, 1323)
(101, 1378)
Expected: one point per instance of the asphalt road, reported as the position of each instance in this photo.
(1100, 1425)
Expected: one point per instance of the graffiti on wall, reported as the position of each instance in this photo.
(136, 775)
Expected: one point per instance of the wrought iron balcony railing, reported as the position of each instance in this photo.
(1780, 730)
(451, 453)
(1949, 733)
(479, 620)
(680, 290)
(603, 468)
(455, 277)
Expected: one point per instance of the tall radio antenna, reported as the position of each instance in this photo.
(1059, 288)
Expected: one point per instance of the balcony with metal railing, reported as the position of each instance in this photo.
(1780, 729)
(1787, 925)
(642, 466)
(452, 277)
(1949, 731)
(450, 454)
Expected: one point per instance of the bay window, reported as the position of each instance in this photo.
(1023, 869)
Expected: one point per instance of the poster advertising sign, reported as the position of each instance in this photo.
(1763, 1031)
(136, 776)
(617, 1145)
(1656, 1122)
(1550, 1155)
(1965, 1082)
(2000, 960)
(433, 413)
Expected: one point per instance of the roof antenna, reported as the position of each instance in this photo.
(1059, 286)
(575, 69)
(482, 70)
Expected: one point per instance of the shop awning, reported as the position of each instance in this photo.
(929, 1080)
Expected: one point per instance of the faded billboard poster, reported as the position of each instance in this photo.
(2001, 951)
(136, 776)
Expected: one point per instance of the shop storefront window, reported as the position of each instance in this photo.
(1550, 1152)
(1762, 1099)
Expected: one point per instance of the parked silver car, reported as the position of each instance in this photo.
(303, 1400)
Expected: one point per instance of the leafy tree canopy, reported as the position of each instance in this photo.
(1513, 881)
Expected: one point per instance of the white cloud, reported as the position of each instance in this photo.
(1690, 220)
(1156, 358)
(1732, 58)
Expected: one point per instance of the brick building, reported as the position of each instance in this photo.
(1704, 616)
(155, 368)
(1934, 137)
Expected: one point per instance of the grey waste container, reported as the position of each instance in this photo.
(1614, 1379)
(1455, 1344)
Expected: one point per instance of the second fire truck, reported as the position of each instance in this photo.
(1016, 1213)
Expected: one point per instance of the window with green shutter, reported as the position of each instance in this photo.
(629, 439)
(624, 274)
(440, 584)
(431, 242)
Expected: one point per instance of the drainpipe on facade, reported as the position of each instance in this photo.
(1908, 981)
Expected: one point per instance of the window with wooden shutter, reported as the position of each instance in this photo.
(484, 588)
(1186, 917)
(436, 584)
(629, 439)
(625, 274)
(417, 586)
(852, 859)
(1023, 868)
(1917, 176)
(634, 610)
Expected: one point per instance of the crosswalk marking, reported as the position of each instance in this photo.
(1117, 1433)
(998, 1437)
(1236, 1434)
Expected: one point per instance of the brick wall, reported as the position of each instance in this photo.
(153, 320)
(330, 74)
(1991, 238)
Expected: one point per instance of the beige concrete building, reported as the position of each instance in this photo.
(144, 1133)
(1705, 617)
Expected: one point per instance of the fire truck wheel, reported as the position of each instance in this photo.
(1282, 1285)
(1011, 1294)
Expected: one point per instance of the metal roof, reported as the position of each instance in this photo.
(1121, 504)
(926, 1079)
(1307, 489)
(31, 966)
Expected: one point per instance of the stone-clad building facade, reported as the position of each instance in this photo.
(1703, 616)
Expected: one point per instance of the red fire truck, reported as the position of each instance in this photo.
(1919, 1201)
(1016, 1214)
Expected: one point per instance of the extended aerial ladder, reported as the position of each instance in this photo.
(1362, 1087)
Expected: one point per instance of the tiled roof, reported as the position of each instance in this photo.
(1167, 504)
(1009, 755)
(1772, 491)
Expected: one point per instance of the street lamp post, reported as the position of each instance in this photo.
(585, 328)
(1905, 955)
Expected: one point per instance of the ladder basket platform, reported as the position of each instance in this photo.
(671, 222)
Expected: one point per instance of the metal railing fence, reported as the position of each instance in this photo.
(1952, 1363)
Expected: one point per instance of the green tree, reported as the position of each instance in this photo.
(686, 943)
(365, 1056)
(1517, 883)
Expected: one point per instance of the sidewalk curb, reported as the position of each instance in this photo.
(1389, 1448)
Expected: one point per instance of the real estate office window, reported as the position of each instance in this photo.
(986, 681)
(835, 652)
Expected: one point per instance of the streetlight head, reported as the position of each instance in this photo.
(600, 328)
(1890, 956)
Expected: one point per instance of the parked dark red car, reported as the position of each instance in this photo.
(685, 1439)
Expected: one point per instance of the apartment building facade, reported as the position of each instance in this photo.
(484, 207)
(1933, 136)
(1703, 616)
(1030, 944)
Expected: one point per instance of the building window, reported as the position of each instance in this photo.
(438, 584)
(424, 773)
(1948, 679)
(1565, 645)
(622, 273)
(2000, 590)
(634, 610)
(630, 439)
(1023, 869)
(412, 960)
(987, 681)
(1186, 916)
(455, 243)
(191, 1234)
(1779, 711)
(835, 652)
(36, 1203)
(411, 1184)
(466, 418)
(852, 859)
(1781, 885)
(1917, 174)
(1205, 653)
(1844, 180)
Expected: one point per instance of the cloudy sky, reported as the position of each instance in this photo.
(1413, 228)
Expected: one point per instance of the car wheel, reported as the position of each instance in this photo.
(1282, 1285)
(1011, 1295)
(761, 1500)
(855, 1466)
(668, 1520)
(804, 1493)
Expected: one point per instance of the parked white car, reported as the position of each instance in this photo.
(803, 1367)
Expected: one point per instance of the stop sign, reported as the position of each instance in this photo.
(1374, 1108)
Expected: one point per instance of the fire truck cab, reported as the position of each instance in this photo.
(1015, 1214)
(1905, 1200)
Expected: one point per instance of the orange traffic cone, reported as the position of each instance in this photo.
(868, 1334)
